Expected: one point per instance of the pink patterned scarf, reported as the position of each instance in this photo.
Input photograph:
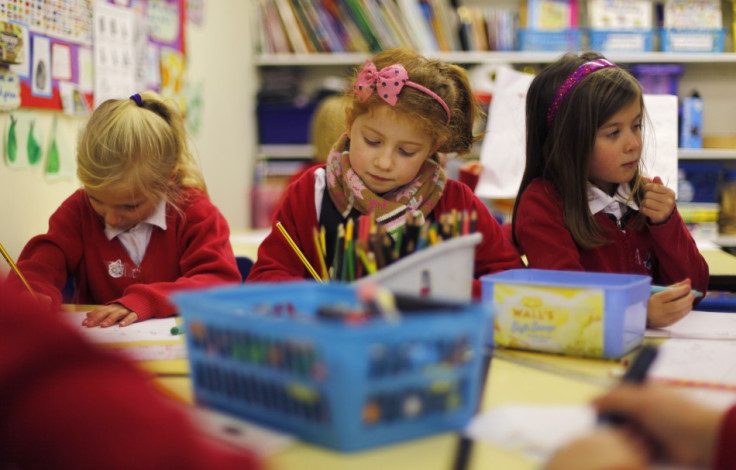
(349, 192)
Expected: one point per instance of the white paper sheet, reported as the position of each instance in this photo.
(154, 329)
(699, 325)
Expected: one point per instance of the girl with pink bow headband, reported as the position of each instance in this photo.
(400, 111)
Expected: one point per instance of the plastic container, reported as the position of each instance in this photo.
(284, 123)
(685, 40)
(444, 270)
(574, 313)
(621, 40)
(550, 41)
(658, 79)
(727, 212)
(261, 352)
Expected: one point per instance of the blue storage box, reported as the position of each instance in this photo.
(658, 79)
(262, 352)
(284, 123)
(685, 40)
(550, 41)
(621, 40)
(568, 312)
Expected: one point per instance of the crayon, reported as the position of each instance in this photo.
(654, 289)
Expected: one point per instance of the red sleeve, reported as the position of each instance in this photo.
(47, 260)
(206, 260)
(678, 255)
(725, 457)
(66, 404)
(541, 232)
(276, 260)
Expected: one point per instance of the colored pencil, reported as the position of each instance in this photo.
(15, 269)
(298, 252)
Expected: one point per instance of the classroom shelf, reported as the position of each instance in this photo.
(477, 57)
(706, 154)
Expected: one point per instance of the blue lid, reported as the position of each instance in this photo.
(729, 175)
(657, 69)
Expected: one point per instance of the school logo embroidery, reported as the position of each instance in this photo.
(116, 269)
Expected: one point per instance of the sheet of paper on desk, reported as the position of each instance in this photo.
(696, 363)
(241, 433)
(154, 329)
(535, 431)
(699, 325)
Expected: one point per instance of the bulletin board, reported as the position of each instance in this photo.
(77, 53)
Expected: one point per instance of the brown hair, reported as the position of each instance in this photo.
(448, 81)
(561, 154)
(142, 147)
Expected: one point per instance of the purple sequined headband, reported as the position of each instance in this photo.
(574, 78)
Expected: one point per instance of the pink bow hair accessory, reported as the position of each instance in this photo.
(388, 83)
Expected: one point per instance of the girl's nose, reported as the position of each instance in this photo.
(112, 218)
(384, 160)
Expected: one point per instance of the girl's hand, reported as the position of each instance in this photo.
(108, 315)
(606, 448)
(666, 307)
(682, 431)
(659, 201)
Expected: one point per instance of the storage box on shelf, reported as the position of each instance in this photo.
(266, 353)
(539, 40)
(621, 40)
(679, 40)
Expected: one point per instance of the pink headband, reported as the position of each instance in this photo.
(574, 78)
(388, 84)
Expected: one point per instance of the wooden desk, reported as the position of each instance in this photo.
(514, 377)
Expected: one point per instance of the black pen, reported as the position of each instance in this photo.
(635, 374)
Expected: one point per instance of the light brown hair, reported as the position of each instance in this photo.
(448, 81)
(141, 147)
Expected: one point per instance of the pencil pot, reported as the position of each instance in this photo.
(444, 270)
(574, 313)
(279, 355)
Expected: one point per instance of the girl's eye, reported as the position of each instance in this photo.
(371, 142)
(638, 126)
(613, 133)
(406, 153)
(131, 207)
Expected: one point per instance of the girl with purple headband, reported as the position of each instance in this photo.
(141, 226)
(583, 203)
(401, 110)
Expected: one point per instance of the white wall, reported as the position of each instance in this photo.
(220, 58)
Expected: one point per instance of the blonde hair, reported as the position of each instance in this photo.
(143, 148)
(328, 124)
(448, 81)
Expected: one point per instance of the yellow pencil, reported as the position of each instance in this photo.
(321, 253)
(298, 252)
(16, 270)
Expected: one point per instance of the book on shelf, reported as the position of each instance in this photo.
(549, 15)
(620, 14)
(386, 36)
(333, 30)
(356, 10)
(311, 26)
(693, 14)
(417, 24)
(348, 31)
(291, 26)
(447, 23)
(392, 17)
(273, 38)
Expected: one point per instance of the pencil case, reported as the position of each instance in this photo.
(444, 270)
(265, 353)
(573, 313)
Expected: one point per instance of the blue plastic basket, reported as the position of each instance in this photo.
(621, 40)
(692, 40)
(549, 310)
(261, 352)
(550, 41)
